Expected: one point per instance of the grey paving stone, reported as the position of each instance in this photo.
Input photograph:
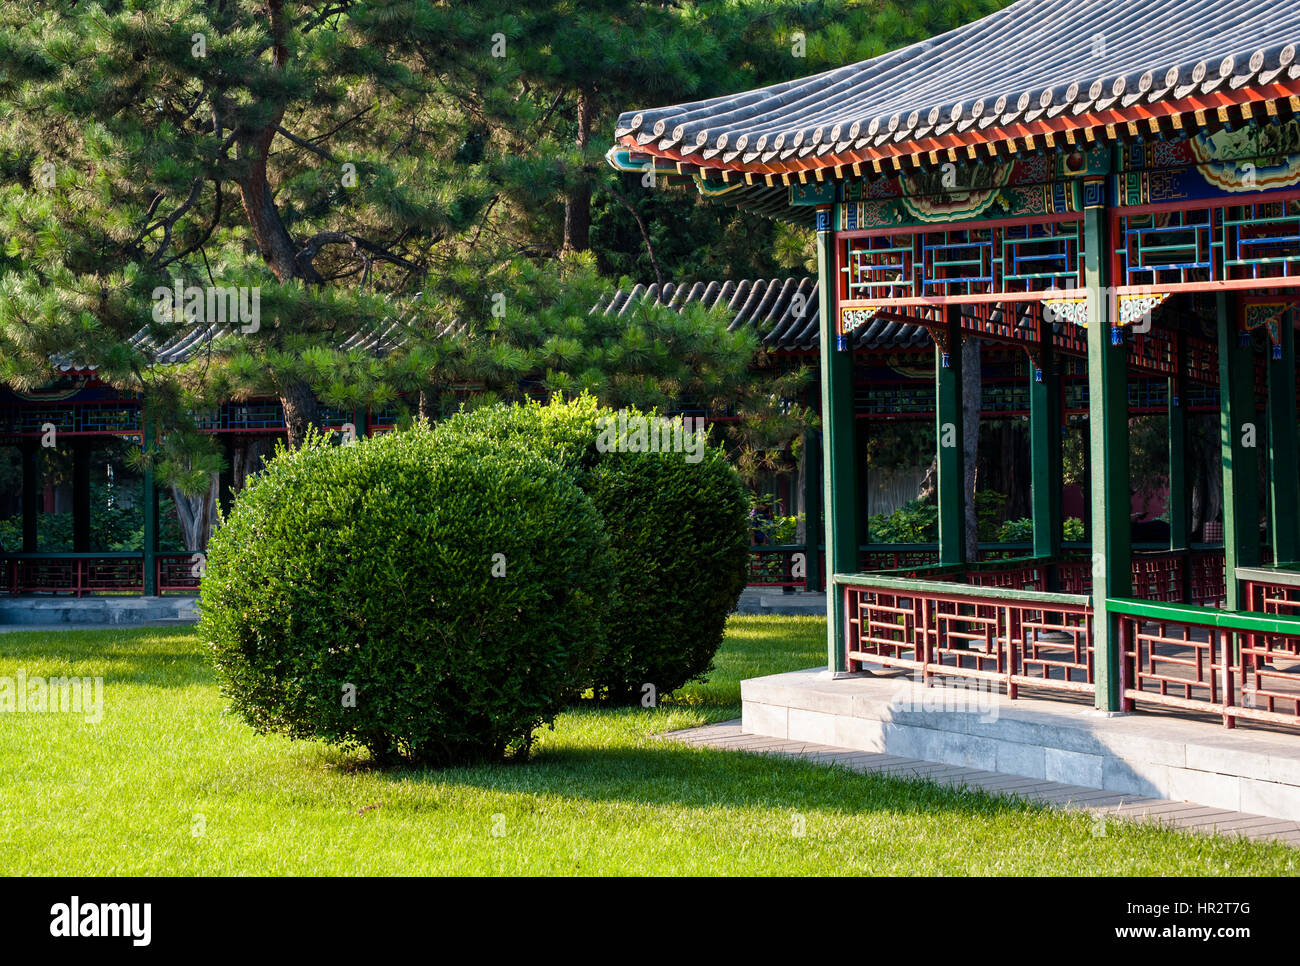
(1244, 827)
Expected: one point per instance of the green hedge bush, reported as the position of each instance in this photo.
(678, 532)
(1022, 530)
(914, 522)
(372, 567)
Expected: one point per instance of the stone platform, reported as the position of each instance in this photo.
(772, 600)
(1153, 756)
(22, 613)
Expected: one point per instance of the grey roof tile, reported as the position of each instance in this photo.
(1032, 58)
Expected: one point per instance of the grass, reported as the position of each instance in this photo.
(167, 783)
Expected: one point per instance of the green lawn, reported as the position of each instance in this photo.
(601, 795)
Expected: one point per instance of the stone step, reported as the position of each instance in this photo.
(1153, 756)
(1194, 817)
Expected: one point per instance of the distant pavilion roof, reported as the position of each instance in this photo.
(1018, 79)
(782, 311)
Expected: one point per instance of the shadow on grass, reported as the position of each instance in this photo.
(158, 657)
(659, 772)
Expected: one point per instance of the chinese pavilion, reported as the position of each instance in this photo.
(1110, 192)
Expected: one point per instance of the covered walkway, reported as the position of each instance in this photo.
(1116, 197)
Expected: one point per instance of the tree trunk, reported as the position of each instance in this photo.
(274, 243)
(428, 405)
(577, 205)
(196, 515)
(928, 491)
(248, 458)
(970, 428)
(301, 410)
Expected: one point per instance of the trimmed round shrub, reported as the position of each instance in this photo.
(422, 601)
(678, 529)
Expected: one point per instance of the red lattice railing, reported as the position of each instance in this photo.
(1237, 665)
(1270, 597)
(777, 566)
(1013, 638)
(1208, 577)
(80, 574)
(897, 559)
(179, 572)
(1158, 576)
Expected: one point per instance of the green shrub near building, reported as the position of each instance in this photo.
(412, 597)
(678, 529)
(435, 595)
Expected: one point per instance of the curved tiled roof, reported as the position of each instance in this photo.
(379, 340)
(1036, 60)
(782, 310)
(185, 345)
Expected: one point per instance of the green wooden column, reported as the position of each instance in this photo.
(812, 508)
(1180, 509)
(1085, 441)
(1180, 504)
(1109, 459)
(1283, 468)
(948, 439)
(31, 494)
(1240, 435)
(838, 457)
(862, 477)
(150, 512)
(1045, 453)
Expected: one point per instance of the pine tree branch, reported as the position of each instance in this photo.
(541, 125)
(304, 143)
(212, 226)
(148, 227)
(313, 245)
(171, 219)
(640, 223)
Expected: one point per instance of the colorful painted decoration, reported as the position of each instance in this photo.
(1266, 316)
(1073, 311)
(1134, 308)
(854, 318)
